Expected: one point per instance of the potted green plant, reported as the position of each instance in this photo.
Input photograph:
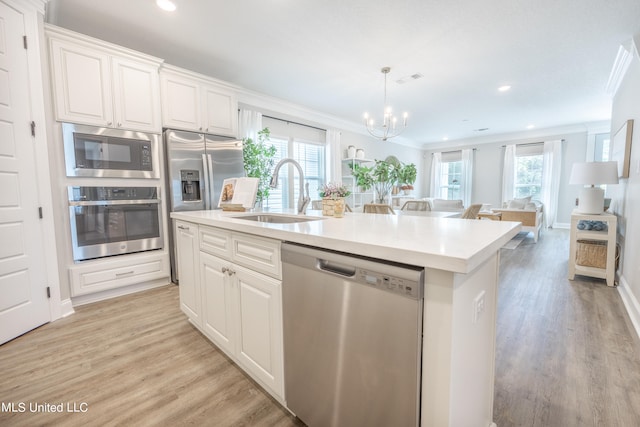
(363, 176)
(385, 175)
(259, 159)
(407, 174)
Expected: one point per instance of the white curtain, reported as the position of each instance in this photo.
(250, 122)
(436, 165)
(466, 184)
(551, 167)
(334, 156)
(508, 173)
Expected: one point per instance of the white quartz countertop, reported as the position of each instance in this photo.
(450, 244)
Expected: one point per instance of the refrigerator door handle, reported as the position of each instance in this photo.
(212, 191)
(207, 190)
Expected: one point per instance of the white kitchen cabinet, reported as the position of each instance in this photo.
(197, 103)
(100, 84)
(242, 315)
(260, 347)
(90, 277)
(239, 308)
(218, 302)
(186, 241)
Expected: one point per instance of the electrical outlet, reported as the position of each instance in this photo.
(478, 306)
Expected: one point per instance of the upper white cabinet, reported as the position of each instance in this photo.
(194, 102)
(100, 84)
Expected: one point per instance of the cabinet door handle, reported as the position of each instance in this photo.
(119, 124)
(182, 227)
(225, 269)
(126, 273)
(231, 272)
(109, 123)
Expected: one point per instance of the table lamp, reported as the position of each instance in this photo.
(591, 199)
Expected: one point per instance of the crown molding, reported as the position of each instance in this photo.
(602, 126)
(626, 52)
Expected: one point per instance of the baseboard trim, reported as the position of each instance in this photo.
(113, 293)
(66, 308)
(563, 225)
(630, 303)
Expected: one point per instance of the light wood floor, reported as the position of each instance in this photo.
(566, 352)
(566, 356)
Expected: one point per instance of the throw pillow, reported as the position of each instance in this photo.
(519, 203)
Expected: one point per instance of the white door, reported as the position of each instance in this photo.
(82, 84)
(180, 102)
(218, 302)
(221, 112)
(23, 282)
(186, 242)
(136, 95)
(260, 327)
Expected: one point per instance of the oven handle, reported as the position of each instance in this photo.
(114, 202)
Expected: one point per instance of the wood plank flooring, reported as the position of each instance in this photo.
(134, 360)
(566, 356)
(566, 352)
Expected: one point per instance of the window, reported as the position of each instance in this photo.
(528, 176)
(450, 176)
(305, 145)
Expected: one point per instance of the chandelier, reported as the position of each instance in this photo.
(389, 127)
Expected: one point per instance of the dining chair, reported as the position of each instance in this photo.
(415, 205)
(472, 211)
(378, 208)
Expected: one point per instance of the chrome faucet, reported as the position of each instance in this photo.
(302, 200)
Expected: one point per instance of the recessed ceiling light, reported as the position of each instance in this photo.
(446, 138)
(167, 5)
(504, 88)
(531, 126)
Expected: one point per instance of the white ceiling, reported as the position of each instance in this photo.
(326, 55)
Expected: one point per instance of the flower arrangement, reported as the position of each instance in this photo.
(334, 191)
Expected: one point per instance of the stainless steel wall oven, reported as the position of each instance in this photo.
(108, 221)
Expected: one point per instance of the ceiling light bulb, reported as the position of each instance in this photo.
(504, 88)
(167, 5)
(446, 138)
(531, 126)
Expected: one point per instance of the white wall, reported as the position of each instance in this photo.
(487, 174)
(626, 195)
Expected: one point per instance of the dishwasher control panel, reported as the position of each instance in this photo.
(402, 286)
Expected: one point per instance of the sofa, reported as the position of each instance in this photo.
(445, 205)
(527, 211)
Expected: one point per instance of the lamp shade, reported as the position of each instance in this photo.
(594, 173)
(591, 200)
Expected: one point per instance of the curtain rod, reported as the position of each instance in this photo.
(292, 122)
(531, 143)
(452, 151)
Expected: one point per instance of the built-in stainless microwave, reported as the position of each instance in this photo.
(113, 153)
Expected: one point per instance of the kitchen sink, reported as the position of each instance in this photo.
(277, 219)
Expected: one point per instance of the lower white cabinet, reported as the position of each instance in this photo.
(104, 274)
(236, 307)
(187, 247)
(242, 314)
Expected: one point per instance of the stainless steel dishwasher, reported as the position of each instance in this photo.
(352, 338)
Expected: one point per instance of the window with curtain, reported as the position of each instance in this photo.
(528, 171)
(450, 176)
(307, 146)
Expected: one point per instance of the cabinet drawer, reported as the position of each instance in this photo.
(215, 241)
(103, 275)
(259, 254)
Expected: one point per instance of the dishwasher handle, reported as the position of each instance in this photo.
(335, 267)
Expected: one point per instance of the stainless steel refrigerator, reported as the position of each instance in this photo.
(197, 164)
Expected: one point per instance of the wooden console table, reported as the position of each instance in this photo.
(607, 236)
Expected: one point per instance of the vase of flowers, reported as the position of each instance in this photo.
(333, 195)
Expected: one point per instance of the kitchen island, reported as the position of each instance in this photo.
(461, 261)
